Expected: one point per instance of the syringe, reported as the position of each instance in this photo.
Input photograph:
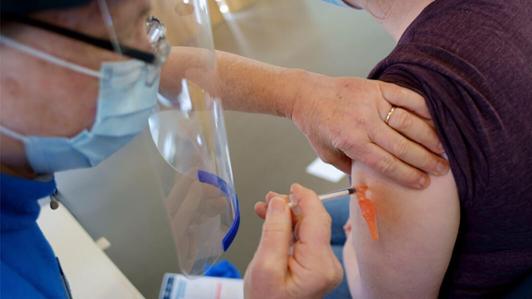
(327, 196)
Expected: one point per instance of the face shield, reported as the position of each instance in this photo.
(187, 148)
(187, 145)
(189, 152)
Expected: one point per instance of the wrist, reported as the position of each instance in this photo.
(297, 83)
(309, 88)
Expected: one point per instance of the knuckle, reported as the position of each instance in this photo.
(365, 153)
(338, 140)
(401, 120)
(386, 164)
(337, 276)
(403, 91)
(429, 162)
(332, 275)
(332, 278)
(400, 148)
(346, 144)
(366, 157)
(273, 228)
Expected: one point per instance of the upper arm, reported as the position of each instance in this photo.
(417, 232)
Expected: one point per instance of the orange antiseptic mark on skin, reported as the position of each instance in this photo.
(368, 210)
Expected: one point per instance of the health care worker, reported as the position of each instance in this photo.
(82, 78)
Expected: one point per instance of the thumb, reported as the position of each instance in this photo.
(276, 236)
(314, 224)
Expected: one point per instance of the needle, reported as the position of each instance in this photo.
(337, 194)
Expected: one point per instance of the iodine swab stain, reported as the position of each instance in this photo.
(368, 210)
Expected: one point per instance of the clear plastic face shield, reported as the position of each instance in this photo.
(188, 149)
(189, 153)
(187, 146)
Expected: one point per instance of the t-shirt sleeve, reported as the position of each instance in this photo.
(455, 95)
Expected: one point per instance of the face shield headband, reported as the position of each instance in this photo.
(156, 34)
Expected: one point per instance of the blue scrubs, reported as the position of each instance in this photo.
(29, 268)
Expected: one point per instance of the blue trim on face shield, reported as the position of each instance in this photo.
(218, 182)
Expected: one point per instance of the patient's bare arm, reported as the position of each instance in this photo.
(417, 232)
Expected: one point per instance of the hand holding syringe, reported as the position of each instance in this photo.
(294, 254)
(367, 207)
(292, 204)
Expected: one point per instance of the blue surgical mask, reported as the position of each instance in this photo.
(127, 97)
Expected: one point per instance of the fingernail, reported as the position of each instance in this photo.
(293, 200)
(277, 205)
(294, 187)
(271, 194)
(441, 169)
(292, 196)
(422, 183)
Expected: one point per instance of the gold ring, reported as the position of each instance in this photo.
(389, 115)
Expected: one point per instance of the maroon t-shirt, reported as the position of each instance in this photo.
(472, 61)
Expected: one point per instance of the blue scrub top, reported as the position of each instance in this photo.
(29, 268)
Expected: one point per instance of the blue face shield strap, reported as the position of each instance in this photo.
(218, 182)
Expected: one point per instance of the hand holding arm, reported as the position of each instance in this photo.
(343, 118)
